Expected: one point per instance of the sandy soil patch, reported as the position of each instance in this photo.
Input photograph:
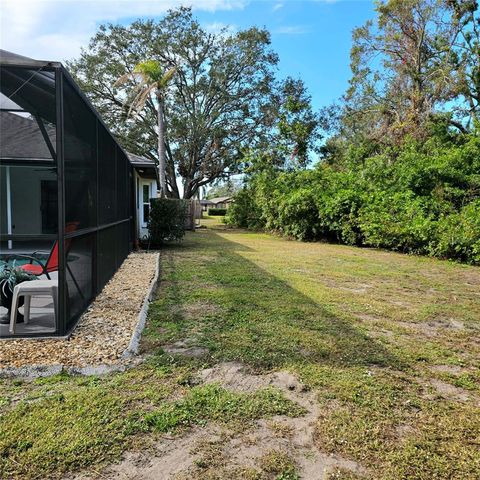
(229, 452)
(105, 329)
(434, 327)
(450, 392)
(449, 369)
(195, 310)
(186, 349)
(366, 317)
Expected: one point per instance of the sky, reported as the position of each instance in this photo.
(312, 38)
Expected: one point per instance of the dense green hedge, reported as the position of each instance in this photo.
(217, 212)
(423, 199)
(167, 220)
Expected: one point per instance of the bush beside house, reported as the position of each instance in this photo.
(167, 220)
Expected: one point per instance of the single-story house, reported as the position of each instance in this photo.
(67, 187)
(206, 204)
(221, 202)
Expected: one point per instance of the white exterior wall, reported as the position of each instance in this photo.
(26, 195)
(140, 184)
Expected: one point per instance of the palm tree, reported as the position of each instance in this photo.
(150, 80)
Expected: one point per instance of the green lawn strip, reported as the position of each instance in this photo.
(63, 432)
(372, 372)
(259, 320)
(65, 423)
(212, 402)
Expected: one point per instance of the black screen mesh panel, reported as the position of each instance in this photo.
(27, 116)
(29, 202)
(29, 195)
(122, 193)
(79, 274)
(22, 137)
(72, 172)
(107, 178)
(123, 246)
(107, 255)
(31, 90)
(80, 151)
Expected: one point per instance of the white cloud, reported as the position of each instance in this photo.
(292, 30)
(277, 6)
(56, 29)
(218, 27)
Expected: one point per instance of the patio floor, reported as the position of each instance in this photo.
(42, 319)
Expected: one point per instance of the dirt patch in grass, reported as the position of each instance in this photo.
(450, 392)
(185, 349)
(193, 311)
(381, 334)
(164, 460)
(435, 327)
(367, 317)
(281, 447)
(449, 369)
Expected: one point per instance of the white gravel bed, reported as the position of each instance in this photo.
(105, 330)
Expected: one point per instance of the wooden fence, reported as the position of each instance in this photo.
(194, 213)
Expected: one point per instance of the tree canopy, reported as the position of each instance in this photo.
(401, 167)
(417, 60)
(219, 102)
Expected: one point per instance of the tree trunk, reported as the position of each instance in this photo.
(161, 147)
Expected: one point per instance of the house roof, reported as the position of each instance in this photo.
(220, 199)
(206, 202)
(10, 58)
(39, 89)
(140, 162)
(21, 137)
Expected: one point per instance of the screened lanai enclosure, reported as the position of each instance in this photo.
(66, 201)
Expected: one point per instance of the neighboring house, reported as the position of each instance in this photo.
(146, 188)
(221, 202)
(206, 204)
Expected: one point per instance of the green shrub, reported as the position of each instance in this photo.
(397, 221)
(217, 212)
(167, 220)
(243, 212)
(415, 198)
(458, 235)
(298, 215)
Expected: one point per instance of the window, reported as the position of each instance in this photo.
(146, 202)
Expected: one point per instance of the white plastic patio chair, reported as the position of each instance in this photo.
(29, 290)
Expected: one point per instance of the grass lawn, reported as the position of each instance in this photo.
(389, 344)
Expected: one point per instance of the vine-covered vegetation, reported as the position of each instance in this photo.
(400, 168)
(426, 201)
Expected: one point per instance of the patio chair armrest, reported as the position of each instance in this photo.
(43, 252)
(32, 259)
